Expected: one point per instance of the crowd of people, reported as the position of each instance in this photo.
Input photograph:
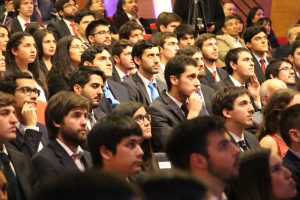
(111, 107)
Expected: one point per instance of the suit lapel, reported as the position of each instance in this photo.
(208, 76)
(141, 85)
(173, 106)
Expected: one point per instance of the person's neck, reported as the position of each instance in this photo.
(163, 60)
(124, 69)
(210, 64)
(74, 65)
(175, 94)
(148, 76)
(47, 61)
(295, 146)
(24, 17)
(82, 37)
(240, 79)
(232, 127)
(23, 66)
(259, 54)
(73, 147)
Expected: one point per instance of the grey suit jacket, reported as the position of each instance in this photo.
(208, 95)
(59, 28)
(222, 84)
(115, 76)
(138, 91)
(53, 159)
(208, 79)
(250, 139)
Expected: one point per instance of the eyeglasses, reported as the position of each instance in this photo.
(103, 33)
(69, 5)
(28, 91)
(286, 69)
(140, 119)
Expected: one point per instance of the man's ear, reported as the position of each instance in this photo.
(105, 153)
(87, 63)
(198, 161)
(226, 113)
(248, 44)
(294, 135)
(162, 28)
(173, 80)
(77, 89)
(116, 58)
(233, 65)
(137, 60)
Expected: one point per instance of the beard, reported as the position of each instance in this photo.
(74, 138)
(69, 17)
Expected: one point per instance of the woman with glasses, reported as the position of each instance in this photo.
(21, 56)
(66, 60)
(282, 69)
(138, 112)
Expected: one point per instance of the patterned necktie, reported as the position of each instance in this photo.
(263, 65)
(153, 90)
(108, 95)
(243, 145)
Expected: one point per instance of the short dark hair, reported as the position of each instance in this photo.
(229, 17)
(187, 50)
(165, 18)
(183, 29)
(59, 106)
(224, 99)
(273, 67)
(9, 83)
(202, 38)
(191, 137)
(127, 28)
(160, 37)
(251, 31)
(59, 4)
(119, 45)
(140, 46)
(251, 15)
(90, 29)
(83, 75)
(289, 119)
(261, 21)
(233, 55)
(294, 46)
(6, 99)
(176, 66)
(108, 132)
(81, 14)
(127, 108)
(90, 53)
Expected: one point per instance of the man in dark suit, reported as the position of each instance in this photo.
(234, 105)
(180, 102)
(113, 92)
(289, 131)
(98, 32)
(128, 11)
(256, 40)
(295, 59)
(207, 43)
(124, 65)
(31, 135)
(143, 86)
(66, 121)
(15, 165)
(64, 26)
(23, 11)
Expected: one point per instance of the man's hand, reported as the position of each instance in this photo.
(194, 105)
(29, 113)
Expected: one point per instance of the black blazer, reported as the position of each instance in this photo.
(258, 71)
(208, 95)
(208, 79)
(59, 29)
(282, 51)
(222, 84)
(56, 83)
(250, 140)
(53, 159)
(121, 18)
(115, 76)
(15, 26)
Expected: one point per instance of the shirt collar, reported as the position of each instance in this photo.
(68, 150)
(146, 81)
(178, 103)
(236, 82)
(235, 137)
(120, 73)
(258, 58)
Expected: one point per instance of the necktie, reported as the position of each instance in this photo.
(91, 119)
(243, 145)
(73, 28)
(185, 109)
(263, 65)
(214, 73)
(108, 95)
(153, 90)
(125, 77)
(14, 191)
(27, 25)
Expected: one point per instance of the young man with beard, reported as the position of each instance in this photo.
(207, 43)
(66, 122)
(98, 32)
(202, 147)
(64, 26)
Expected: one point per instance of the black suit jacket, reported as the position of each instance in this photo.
(59, 28)
(258, 71)
(250, 139)
(165, 114)
(282, 51)
(292, 162)
(115, 76)
(53, 159)
(15, 26)
(56, 83)
(138, 91)
(208, 95)
(29, 142)
(121, 18)
(222, 84)
(208, 79)
(25, 173)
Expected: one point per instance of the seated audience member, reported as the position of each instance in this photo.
(143, 86)
(4, 39)
(168, 46)
(66, 60)
(230, 39)
(66, 121)
(282, 69)
(124, 66)
(167, 21)
(8, 13)
(269, 134)
(31, 136)
(114, 93)
(254, 14)
(23, 10)
(207, 43)
(138, 112)
(201, 146)
(262, 176)
(295, 59)
(15, 60)
(88, 82)
(283, 50)
(174, 185)
(33, 27)
(256, 40)
(179, 102)
(131, 31)
(267, 23)
(241, 25)
(229, 8)
(64, 26)
(289, 130)
(21, 177)
(234, 105)
(82, 19)
(127, 10)
(185, 35)
(46, 47)
(114, 143)
(92, 185)
(98, 32)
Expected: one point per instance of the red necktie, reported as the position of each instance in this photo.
(73, 28)
(214, 73)
(263, 65)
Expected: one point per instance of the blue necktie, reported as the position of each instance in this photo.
(153, 90)
(108, 95)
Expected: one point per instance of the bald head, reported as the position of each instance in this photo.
(229, 9)
(268, 87)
